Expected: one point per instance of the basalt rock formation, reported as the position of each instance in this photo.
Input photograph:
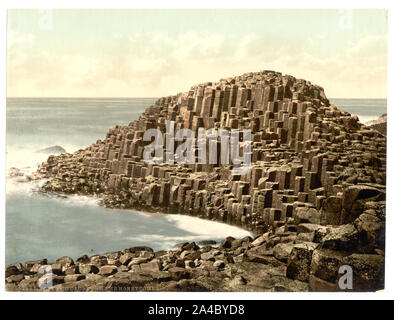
(316, 188)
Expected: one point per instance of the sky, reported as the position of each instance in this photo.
(160, 52)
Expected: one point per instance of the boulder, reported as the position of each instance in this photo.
(88, 268)
(332, 207)
(74, 277)
(30, 264)
(372, 232)
(84, 259)
(65, 262)
(126, 258)
(226, 244)
(219, 264)
(12, 270)
(326, 263)
(137, 250)
(151, 266)
(299, 262)
(354, 199)
(99, 260)
(108, 270)
(260, 240)
(190, 255)
(15, 278)
(207, 243)
(282, 251)
(177, 273)
(344, 237)
(368, 271)
(263, 256)
(307, 215)
(305, 237)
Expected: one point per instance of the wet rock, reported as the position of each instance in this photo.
(137, 250)
(207, 243)
(226, 244)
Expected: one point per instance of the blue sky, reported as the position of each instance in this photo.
(142, 53)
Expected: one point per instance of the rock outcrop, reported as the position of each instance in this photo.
(379, 124)
(55, 150)
(316, 188)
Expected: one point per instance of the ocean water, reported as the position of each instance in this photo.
(365, 109)
(39, 225)
(42, 226)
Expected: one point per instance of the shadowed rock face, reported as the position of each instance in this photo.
(313, 166)
(379, 124)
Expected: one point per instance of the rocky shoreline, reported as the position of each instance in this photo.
(315, 193)
(303, 257)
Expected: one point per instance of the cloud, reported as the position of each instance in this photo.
(159, 64)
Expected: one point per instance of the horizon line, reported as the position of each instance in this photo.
(151, 98)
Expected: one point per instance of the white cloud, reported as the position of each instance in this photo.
(157, 64)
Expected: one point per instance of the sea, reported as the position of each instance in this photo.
(48, 226)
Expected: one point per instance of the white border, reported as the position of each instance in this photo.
(388, 292)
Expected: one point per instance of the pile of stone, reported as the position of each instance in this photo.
(311, 163)
(299, 257)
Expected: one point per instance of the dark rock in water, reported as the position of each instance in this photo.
(207, 242)
(52, 150)
(15, 172)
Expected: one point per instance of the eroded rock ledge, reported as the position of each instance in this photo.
(312, 164)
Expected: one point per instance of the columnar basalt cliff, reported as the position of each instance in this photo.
(315, 191)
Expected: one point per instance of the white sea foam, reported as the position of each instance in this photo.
(197, 230)
(79, 201)
(26, 159)
(365, 119)
(206, 228)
